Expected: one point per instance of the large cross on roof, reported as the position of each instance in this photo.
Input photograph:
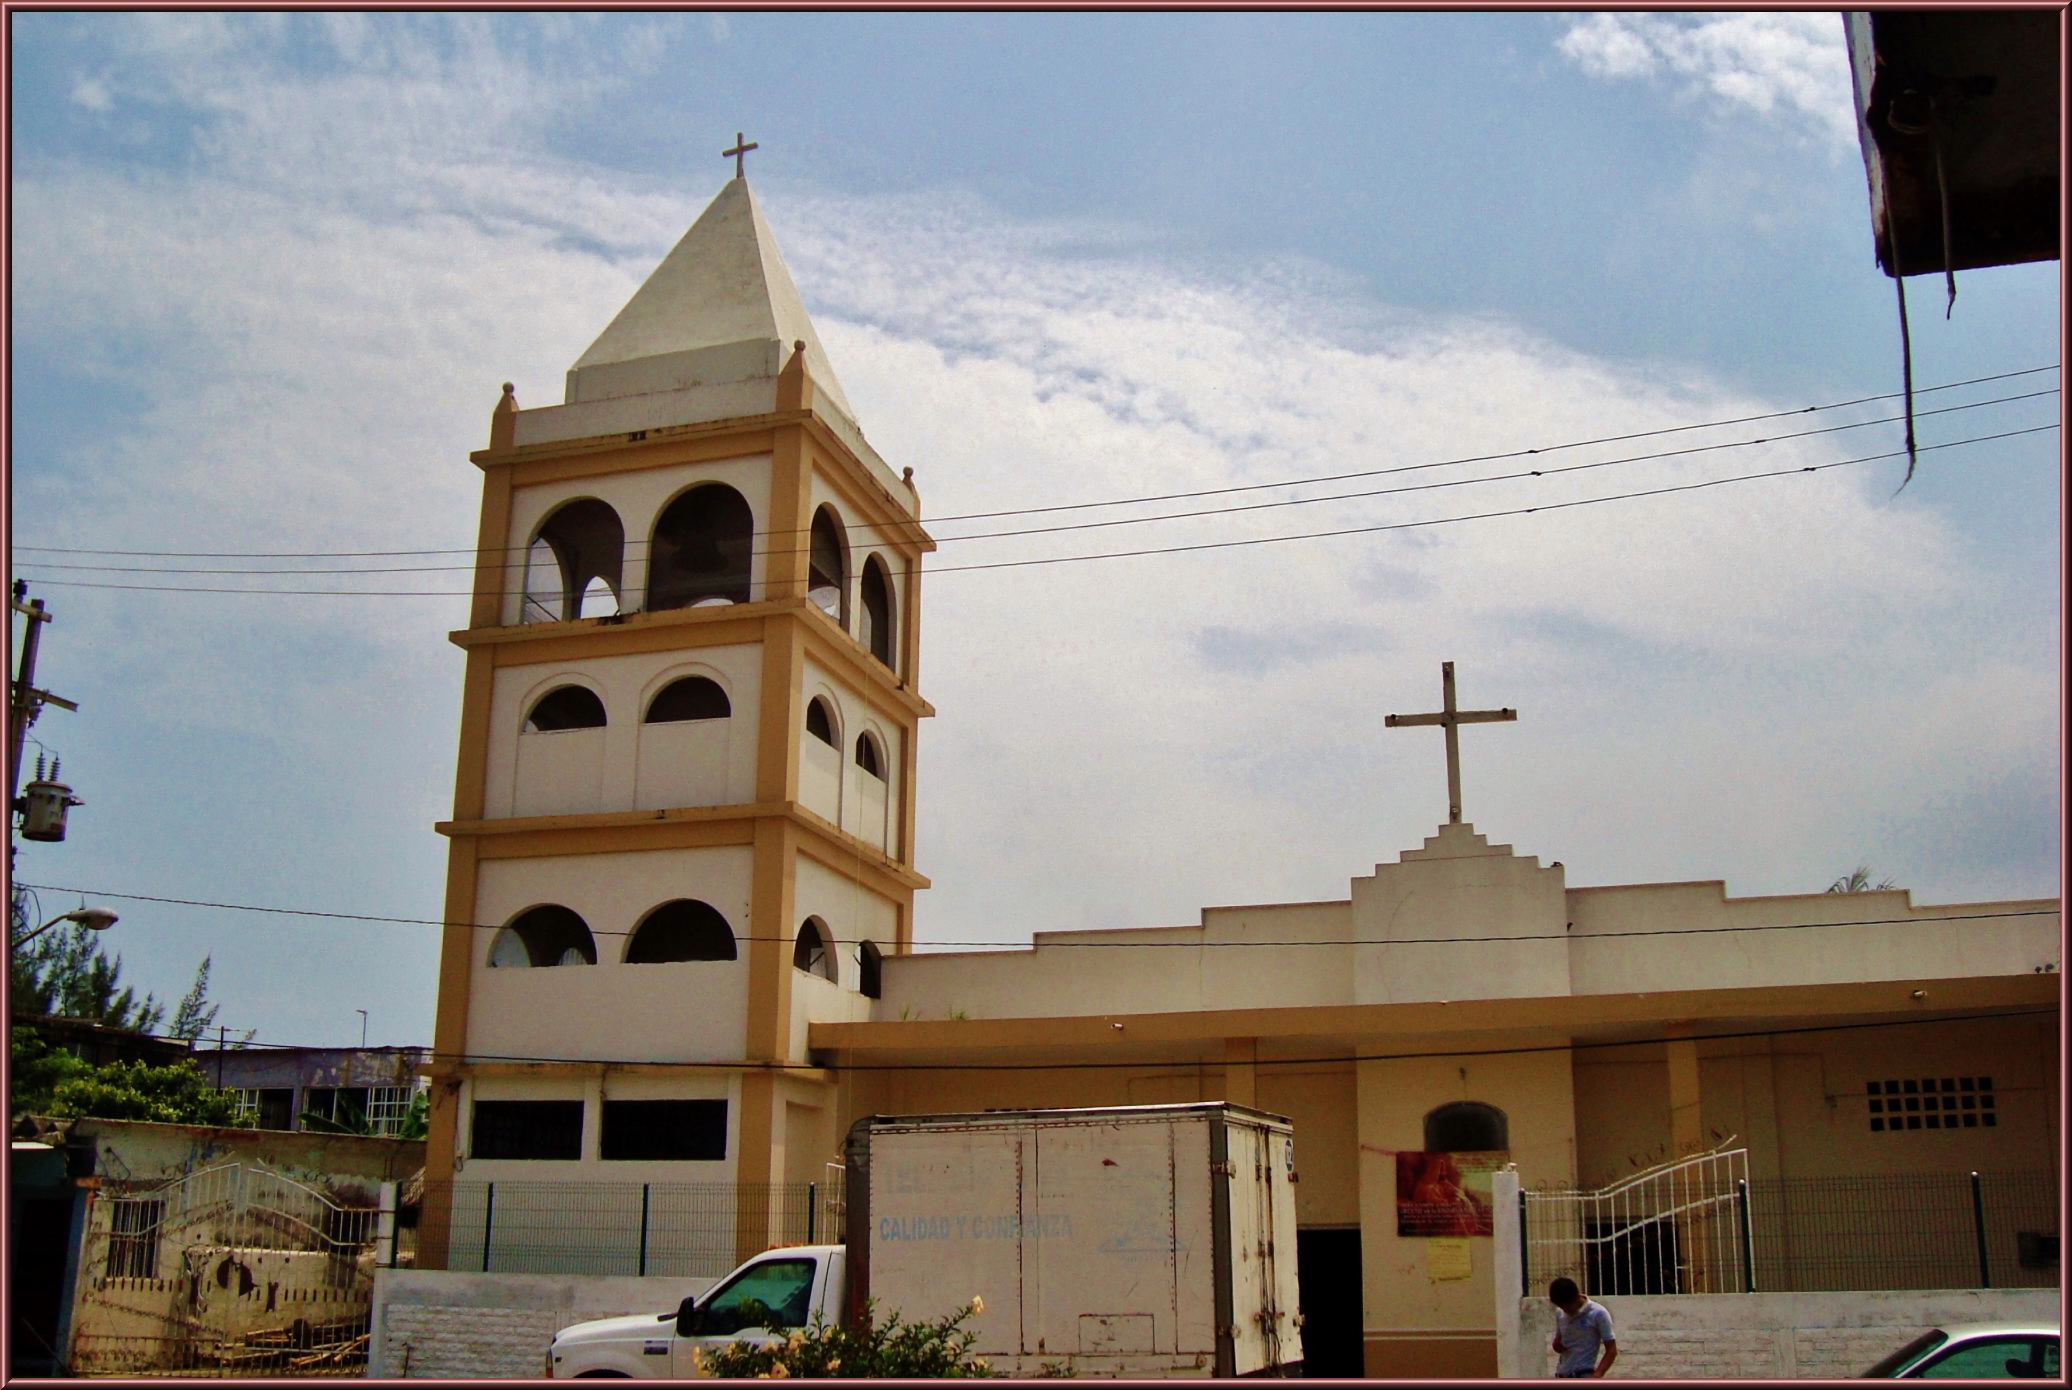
(739, 154)
(1450, 719)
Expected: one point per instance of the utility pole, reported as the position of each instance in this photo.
(27, 701)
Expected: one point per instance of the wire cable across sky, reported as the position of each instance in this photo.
(1380, 528)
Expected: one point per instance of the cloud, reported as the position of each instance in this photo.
(93, 94)
(1730, 681)
(1790, 69)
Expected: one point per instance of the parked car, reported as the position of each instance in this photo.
(1975, 1351)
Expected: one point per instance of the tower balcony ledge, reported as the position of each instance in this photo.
(674, 827)
(622, 633)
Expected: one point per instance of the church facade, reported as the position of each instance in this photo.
(682, 876)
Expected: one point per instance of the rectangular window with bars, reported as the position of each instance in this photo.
(133, 1224)
(1934, 1102)
(527, 1129)
(664, 1130)
(388, 1107)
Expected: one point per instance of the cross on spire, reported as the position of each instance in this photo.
(1449, 719)
(739, 154)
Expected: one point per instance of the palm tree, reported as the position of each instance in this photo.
(1858, 880)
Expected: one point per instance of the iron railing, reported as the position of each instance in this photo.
(1679, 1228)
(1909, 1231)
(1798, 1235)
(694, 1230)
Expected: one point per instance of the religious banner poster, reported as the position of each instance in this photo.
(1446, 1194)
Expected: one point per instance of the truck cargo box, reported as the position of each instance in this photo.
(1126, 1240)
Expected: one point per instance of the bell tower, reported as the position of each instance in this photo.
(684, 803)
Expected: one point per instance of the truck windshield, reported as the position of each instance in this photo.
(774, 1293)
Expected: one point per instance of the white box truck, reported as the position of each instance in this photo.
(1141, 1240)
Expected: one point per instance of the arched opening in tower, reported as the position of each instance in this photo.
(827, 579)
(701, 552)
(684, 929)
(543, 936)
(572, 568)
(877, 611)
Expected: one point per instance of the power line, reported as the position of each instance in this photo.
(1238, 509)
(1157, 550)
(1584, 1045)
(1123, 501)
(1132, 945)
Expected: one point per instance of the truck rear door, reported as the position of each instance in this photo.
(946, 1220)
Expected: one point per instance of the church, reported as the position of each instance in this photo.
(682, 875)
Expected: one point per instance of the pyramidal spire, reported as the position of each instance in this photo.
(720, 309)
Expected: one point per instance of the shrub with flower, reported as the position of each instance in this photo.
(892, 1349)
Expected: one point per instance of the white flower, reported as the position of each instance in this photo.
(978, 1305)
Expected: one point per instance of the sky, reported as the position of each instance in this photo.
(270, 271)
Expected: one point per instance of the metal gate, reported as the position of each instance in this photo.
(232, 1270)
(1683, 1227)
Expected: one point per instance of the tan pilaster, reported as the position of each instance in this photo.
(493, 557)
(754, 1167)
(1686, 1132)
(1697, 1247)
(770, 912)
(1241, 1071)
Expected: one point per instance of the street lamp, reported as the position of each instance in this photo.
(92, 918)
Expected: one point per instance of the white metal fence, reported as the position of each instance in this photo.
(1682, 1227)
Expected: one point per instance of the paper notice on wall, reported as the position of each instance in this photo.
(1447, 1259)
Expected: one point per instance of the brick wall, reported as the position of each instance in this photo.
(450, 1325)
(1771, 1336)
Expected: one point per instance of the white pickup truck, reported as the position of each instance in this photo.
(795, 1283)
(1144, 1240)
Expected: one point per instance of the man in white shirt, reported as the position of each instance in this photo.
(1581, 1328)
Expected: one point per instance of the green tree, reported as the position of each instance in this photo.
(47, 1080)
(195, 1015)
(64, 972)
(1858, 880)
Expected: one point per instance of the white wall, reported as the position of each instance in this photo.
(627, 764)
(638, 497)
(831, 785)
(1902, 942)
(495, 1326)
(687, 1084)
(862, 541)
(680, 1011)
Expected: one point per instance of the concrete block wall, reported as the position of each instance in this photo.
(1767, 1336)
(450, 1325)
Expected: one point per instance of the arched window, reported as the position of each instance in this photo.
(1466, 1126)
(814, 952)
(543, 936)
(693, 697)
(870, 976)
(867, 756)
(701, 550)
(877, 611)
(820, 723)
(681, 930)
(827, 573)
(567, 707)
(572, 567)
